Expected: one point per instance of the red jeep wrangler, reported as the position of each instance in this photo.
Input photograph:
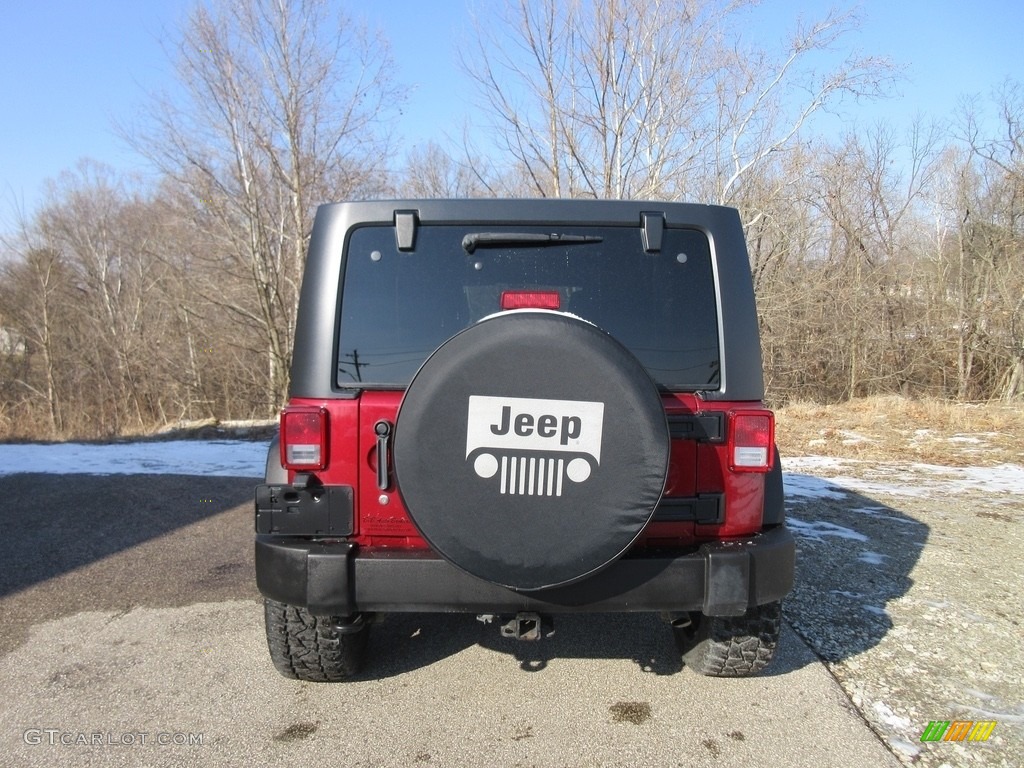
(517, 408)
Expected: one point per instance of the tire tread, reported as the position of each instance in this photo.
(307, 647)
(733, 646)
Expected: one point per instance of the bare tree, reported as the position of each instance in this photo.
(1002, 235)
(870, 200)
(33, 293)
(846, 308)
(285, 106)
(979, 255)
(651, 98)
(98, 227)
(431, 171)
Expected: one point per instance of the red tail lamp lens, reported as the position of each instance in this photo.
(304, 437)
(752, 438)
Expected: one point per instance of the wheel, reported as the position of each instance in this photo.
(731, 646)
(531, 449)
(312, 648)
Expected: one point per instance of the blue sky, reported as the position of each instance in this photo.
(70, 69)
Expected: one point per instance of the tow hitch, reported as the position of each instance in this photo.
(525, 626)
(348, 625)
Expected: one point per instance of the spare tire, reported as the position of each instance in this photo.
(531, 449)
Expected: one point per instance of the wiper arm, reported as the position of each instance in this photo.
(476, 240)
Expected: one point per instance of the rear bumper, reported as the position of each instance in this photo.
(339, 579)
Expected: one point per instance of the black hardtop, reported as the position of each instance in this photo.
(314, 365)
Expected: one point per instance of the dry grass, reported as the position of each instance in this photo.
(929, 431)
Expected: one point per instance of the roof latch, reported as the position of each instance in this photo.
(653, 224)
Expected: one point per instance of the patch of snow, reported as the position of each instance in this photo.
(975, 618)
(812, 463)
(987, 714)
(898, 479)
(816, 529)
(845, 593)
(885, 715)
(871, 487)
(1003, 478)
(875, 610)
(965, 439)
(220, 458)
(854, 438)
(904, 747)
(979, 694)
(871, 558)
(809, 487)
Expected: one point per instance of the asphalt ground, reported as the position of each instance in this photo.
(132, 634)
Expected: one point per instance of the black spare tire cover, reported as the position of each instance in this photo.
(531, 449)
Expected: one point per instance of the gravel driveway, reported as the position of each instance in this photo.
(909, 588)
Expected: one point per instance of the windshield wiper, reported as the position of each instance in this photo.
(492, 239)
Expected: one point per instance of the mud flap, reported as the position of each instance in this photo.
(727, 581)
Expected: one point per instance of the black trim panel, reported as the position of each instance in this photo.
(702, 427)
(774, 495)
(719, 579)
(706, 509)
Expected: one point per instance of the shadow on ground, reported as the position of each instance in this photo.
(56, 524)
(76, 543)
(854, 555)
(403, 643)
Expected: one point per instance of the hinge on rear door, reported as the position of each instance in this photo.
(705, 509)
(702, 427)
(653, 225)
(405, 230)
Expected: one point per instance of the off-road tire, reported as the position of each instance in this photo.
(731, 646)
(307, 647)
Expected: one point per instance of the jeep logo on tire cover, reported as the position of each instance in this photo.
(532, 445)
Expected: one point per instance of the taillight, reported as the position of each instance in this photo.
(751, 441)
(304, 437)
(530, 300)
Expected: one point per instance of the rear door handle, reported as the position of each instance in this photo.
(383, 431)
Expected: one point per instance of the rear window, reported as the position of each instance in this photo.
(398, 307)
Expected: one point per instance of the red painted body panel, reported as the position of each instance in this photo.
(694, 469)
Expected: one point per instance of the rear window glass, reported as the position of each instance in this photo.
(398, 307)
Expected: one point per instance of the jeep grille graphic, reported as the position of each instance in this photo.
(532, 476)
